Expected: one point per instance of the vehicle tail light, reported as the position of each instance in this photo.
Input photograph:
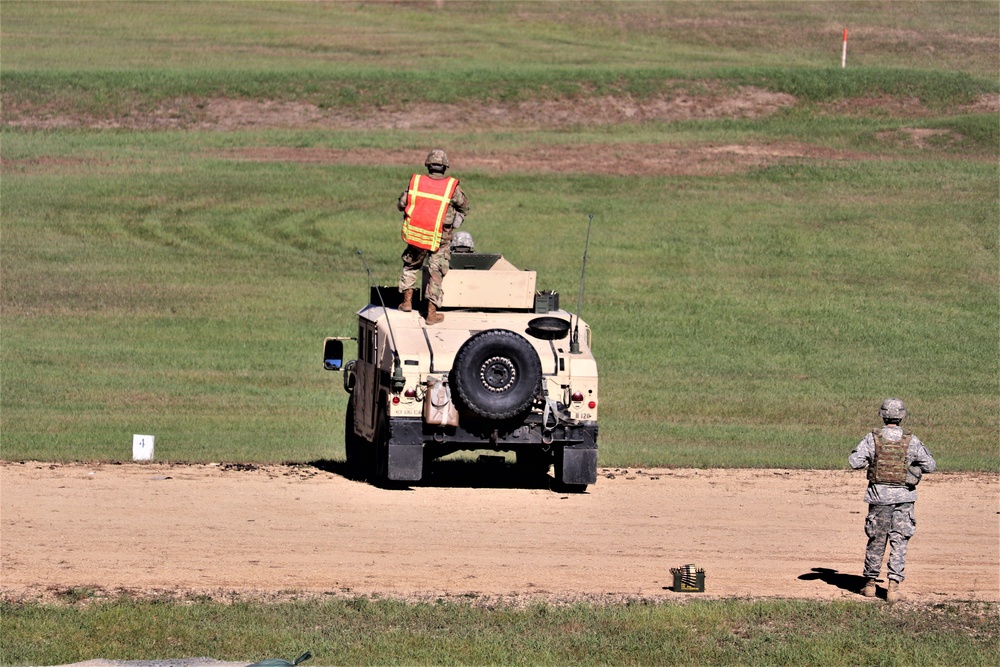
(395, 400)
(410, 393)
(576, 397)
(592, 405)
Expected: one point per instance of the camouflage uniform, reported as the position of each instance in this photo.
(890, 507)
(437, 261)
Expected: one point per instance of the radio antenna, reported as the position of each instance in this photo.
(574, 346)
(397, 370)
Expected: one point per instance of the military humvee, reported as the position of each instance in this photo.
(503, 372)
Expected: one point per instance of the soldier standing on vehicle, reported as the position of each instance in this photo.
(896, 460)
(432, 207)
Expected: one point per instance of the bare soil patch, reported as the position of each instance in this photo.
(225, 114)
(904, 107)
(625, 159)
(917, 137)
(747, 102)
(712, 101)
(619, 159)
(75, 531)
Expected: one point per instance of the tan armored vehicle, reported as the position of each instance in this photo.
(503, 372)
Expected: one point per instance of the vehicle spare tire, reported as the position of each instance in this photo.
(496, 374)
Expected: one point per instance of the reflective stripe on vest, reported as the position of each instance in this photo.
(427, 202)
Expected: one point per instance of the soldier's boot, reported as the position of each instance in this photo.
(892, 593)
(407, 304)
(433, 316)
(869, 589)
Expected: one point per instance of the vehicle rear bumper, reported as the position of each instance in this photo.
(413, 431)
(574, 444)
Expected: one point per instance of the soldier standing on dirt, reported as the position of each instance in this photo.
(896, 460)
(432, 207)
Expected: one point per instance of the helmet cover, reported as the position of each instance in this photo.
(892, 409)
(437, 157)
(462, 242)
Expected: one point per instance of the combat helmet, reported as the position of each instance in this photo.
(462, 242)
(892, 410)
(438, 158)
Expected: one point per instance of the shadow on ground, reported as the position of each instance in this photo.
(852, 583)
(482, 474)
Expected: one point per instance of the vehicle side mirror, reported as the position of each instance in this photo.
(333, 354)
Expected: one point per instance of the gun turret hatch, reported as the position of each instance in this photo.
(486, 281)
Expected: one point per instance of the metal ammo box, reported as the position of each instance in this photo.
(688, 579)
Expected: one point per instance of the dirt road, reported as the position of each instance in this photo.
(471, 532)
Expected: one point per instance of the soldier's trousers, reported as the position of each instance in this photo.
(437, 266)
(894, 524)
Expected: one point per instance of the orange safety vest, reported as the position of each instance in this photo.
(427, 202)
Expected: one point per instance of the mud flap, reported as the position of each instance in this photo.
(406, 463)
(406, 451)
(578, 464)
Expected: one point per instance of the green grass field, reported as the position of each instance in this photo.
(364, 632)
(158, 281)
(754, 319)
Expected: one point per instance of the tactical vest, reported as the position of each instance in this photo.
(889, 466)
(427, 202)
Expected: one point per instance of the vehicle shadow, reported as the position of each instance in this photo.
(852, 583)
(486, 474)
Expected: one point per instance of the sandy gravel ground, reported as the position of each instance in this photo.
(473, 533)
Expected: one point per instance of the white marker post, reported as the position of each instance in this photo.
(843, 56)
(142, 447)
